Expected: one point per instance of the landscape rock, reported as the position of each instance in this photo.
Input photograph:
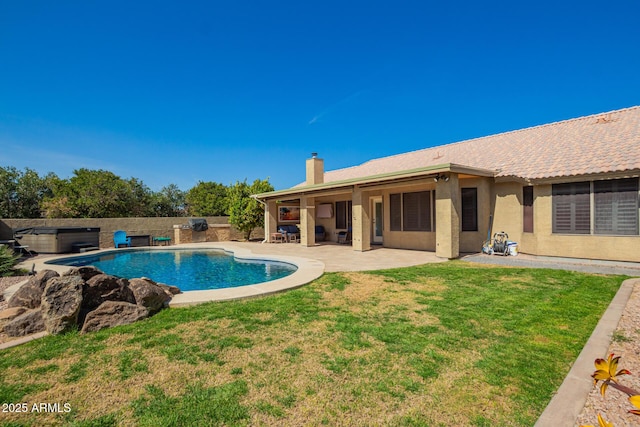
(82, 298)
(148, 294)
(9, 314)
(27, 323)
(169, 289)
(86, 272)
(113, 313)
(29, 295)
(104, 287)
(61, 302)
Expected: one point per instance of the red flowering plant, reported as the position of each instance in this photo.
(607, 373)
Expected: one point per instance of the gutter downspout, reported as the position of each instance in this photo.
(266, 211)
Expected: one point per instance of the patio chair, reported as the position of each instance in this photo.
(120, 238)
(291, 233)
(344, 237)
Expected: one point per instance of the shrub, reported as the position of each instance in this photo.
(8, 260)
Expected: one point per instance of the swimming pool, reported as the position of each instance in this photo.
(187, 269)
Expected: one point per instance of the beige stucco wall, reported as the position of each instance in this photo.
(329, 224)
(544, 242)
(314, 171)
(471, 241)
(503, 200)
(361, 220)
(509, 218)
(418, 240)
(507, 211)
(448, 217)
(271, 218)
(307, 221)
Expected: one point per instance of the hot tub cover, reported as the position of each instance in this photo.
(55, 230)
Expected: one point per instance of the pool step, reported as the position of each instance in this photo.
(83, 247)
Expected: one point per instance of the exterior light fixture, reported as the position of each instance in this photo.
(441, 176)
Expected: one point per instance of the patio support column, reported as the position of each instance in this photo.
(307, 221)
(448, 217)
(270, 219)
(361, 221)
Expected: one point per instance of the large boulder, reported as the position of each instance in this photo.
(104, 287)
(29, 295)
(113, 313)
(169, 289)
(9, 314)
(27, 323)
(148, 294)
(101, 288)
(86, 272)
(61, 303)
(83, 296)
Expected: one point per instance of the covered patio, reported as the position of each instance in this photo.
(417, 209)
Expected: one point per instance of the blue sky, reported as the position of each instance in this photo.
(181, 92)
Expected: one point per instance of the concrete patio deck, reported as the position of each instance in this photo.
(342, 257)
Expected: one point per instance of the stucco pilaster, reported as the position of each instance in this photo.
(307, 221)
(361, 221)
(270, 219)
(448, 217)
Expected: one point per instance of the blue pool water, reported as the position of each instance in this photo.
(189, 270)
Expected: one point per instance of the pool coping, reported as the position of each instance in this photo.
(308, 270)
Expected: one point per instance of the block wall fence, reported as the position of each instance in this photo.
(219, 228)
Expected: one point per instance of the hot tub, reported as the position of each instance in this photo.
(56, 240)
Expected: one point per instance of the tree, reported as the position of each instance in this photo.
(8, 191)
(170, 201)
(22, 192)
(208, 199)
(58, 205)
(138, 198)
(246, 213)
(32, 189)
(98, 194)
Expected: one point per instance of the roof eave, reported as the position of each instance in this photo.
(380, 178)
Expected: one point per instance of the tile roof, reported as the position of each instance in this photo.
(600, 143)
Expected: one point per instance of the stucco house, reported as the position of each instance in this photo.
(567, 189)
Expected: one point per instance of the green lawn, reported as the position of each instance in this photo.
(450, 344)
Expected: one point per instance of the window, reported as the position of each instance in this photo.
(410, 211)
(571, 208)
(416, 212)
(614, 209)
(433, 204)
(616, 206)
(395, 207)
(343, 214)
(527, 209)
(469, 209)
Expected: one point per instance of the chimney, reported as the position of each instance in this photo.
(315, 170)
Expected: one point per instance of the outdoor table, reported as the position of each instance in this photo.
(277, 238)
(162, 240)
